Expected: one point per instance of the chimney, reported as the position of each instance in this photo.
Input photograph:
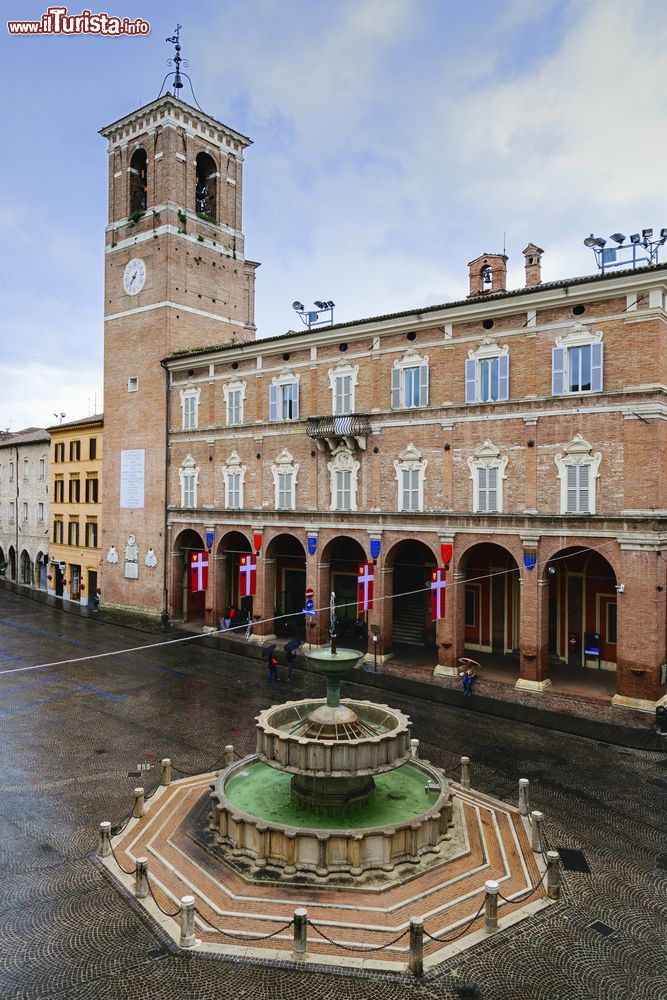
(533, 255)
(488, 273)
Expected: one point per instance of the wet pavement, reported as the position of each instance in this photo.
(71, 733)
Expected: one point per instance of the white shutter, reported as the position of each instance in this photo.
(492, 490)
(596, 367)
(423, 385)
(405, 491)
(295, 401)
(273, 402)
(503, 376)
(584, 489)
(571, 484)
(557, 371)
(415, 475)
(471, 380)
(396, 388)
(482, 495)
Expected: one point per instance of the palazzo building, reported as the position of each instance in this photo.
(523, 427)
(24, 506)
(76, 509)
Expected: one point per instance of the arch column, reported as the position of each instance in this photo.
(211, 610)
(641, 636)
(382, 614)
(451, 630)
(318, 576)
(265, 597)
(533, 632)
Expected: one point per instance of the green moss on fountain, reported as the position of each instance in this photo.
(265, 793)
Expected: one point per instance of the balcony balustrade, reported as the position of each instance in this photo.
(352, 428)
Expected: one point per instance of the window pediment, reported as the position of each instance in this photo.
(488, 348)
(411, 359)
(579, 335)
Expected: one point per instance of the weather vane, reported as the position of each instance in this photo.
(178, 62)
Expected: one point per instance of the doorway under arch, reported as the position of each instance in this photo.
(582, 609)
(344, 556)
(26, 569)
(186, 603)
(232, 546)
(412, 562)
(289, 594)
(492, 612)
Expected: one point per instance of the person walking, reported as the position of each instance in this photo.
(273, 668)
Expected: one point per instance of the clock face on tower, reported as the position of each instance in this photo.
(135, 276)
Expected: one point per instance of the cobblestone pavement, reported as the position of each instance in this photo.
(71, 733)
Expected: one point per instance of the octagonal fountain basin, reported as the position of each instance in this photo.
(257, 816)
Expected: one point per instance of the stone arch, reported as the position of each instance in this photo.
(26, 568)
(582, 629)
(340, 560)
(206, 185)
(11, 563)
(411, 562)
(285, 582)
(138, 182)
(232, 546)
(489, 573)
(184, 603)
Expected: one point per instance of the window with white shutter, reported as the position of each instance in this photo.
(285, 491)
(190, 407)
(487, 373)
(284, 398)
(233, 498)
(409, 382)
(234, 393)
(342, 395)
(343, 490)
(189, 477)
(578, 469)
(410, 471)
(577, 362)
(284, 479)
(487, 471)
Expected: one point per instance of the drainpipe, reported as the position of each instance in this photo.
(164, 617)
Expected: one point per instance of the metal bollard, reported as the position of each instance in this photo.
(228, 755)
(141, 878)
(104, 842)
(300, 946)
(553, 874)
(416, 959)
(166, 771)
(188, 939)
(465, 772)
(524, 805)
(491, 906)
(414, 748)
(138, 803)
(536, 831)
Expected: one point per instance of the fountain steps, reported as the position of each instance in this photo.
(494, 844)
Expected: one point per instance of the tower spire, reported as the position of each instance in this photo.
(177, 62)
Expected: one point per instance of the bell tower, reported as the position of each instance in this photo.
(176, 278)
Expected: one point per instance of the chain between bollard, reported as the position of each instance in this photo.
(157, 902)
(115, 830)
(526, 894)
(358, 947)
(113, 853)
(243, 937)
(462, 931)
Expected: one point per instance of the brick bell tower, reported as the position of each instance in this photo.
(176, 278)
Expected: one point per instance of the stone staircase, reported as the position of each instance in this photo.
(409, 620)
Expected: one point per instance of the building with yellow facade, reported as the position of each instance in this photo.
(76, 509)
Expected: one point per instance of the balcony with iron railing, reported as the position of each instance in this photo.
(352, 428)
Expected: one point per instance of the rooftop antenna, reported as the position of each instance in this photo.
(504, 248)
(177, 62)
(61, 416)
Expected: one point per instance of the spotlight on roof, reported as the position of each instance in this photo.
(663, 234)
(635, 238)
(600, 242)
(591, 241)
(647, 233)
(320, 304)
(298, 306)
(617, 237)
(330, 304)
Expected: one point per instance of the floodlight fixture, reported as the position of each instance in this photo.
(313, 317)
(643, 248)
(663, 234)
(617, 237)
(635, 238)
(647, 233)
(599, 242)
(590, 241)
(330, 304)
(298, 306)
(320, 304)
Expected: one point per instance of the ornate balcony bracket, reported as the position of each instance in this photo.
(328, 432)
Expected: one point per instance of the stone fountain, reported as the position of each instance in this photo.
(333, 786)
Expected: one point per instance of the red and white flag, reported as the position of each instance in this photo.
(365, 581)
(438, 584)
(199, 571)
(247, 576)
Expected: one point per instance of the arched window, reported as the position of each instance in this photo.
(138, 183)
(206, 194)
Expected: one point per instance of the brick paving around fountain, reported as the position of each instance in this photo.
(234, 912)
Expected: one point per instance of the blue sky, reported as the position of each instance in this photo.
(394, 141)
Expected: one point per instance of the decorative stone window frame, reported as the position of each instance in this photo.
(343, 460)
(410, 460)
(188, 475)
(410, 360)
(285, 465)
(233, 467)
(488, 350)
(277, 383)
(487, 456)
(578, 452)
(579, 336)
(235, 385)
(190, 392)
(341, 371)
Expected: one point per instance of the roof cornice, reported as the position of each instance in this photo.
(168, 101)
